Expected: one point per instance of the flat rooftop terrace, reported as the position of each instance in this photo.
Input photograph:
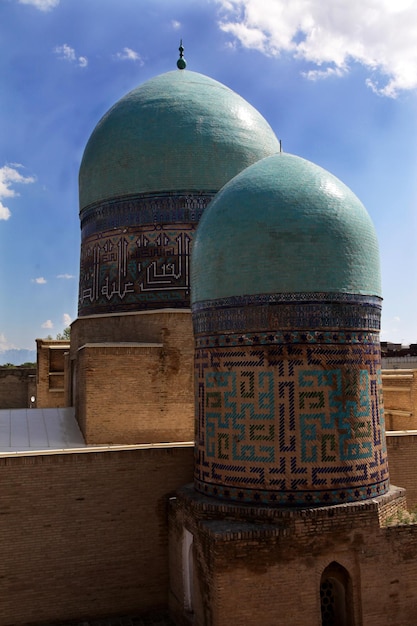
(28, 430)
(52, 431)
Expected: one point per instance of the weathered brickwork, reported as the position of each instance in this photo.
(402, 455)
(400, 399)
(85, 535)
(50, 379)
(256, 561)
(134, 377)
(17, 385)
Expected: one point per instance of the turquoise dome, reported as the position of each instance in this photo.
(284, 225)
(178, 131)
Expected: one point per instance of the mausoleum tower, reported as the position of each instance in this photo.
(291, 479)
(286, 308)
(150, 168)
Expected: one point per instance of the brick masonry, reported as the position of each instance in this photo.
(290, 407)
(402, 454)
(400, 399)
(259, 565)
(17, 385)
(135, 391)
(85, 535)
(50, 376)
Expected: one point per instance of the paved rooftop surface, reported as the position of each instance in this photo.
(26, 430)
(52, 431)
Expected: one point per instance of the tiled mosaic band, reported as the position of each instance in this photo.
(290, 422)
(299, 498)
(144, 209)
(287, 311)
(278, 337)
(144, 265)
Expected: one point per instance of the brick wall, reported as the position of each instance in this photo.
(85, 535)
(134, 377)
(50, 381)
(264, 567)
(17, 385)
(400, 399)
(129, 396)
(402, 455)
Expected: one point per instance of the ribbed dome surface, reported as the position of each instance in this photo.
(178, 131)
(284, 225)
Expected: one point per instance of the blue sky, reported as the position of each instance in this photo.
(336, 79)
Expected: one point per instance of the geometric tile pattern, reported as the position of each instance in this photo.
(309, 314)
(293, 423)
(135, 252)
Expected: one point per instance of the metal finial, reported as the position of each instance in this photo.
(181, 63)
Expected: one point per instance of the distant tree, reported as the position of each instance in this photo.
(13, 366)
(66, 334)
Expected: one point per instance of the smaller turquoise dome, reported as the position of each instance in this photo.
(284, 225)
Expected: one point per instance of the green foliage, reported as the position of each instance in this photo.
(402, 517)
(65, 335)
(12, 366)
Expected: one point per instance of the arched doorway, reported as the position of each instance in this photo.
(336, 596)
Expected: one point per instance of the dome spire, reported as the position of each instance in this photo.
(181, 63)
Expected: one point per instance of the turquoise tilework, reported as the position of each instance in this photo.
(334, 427)
(179, 130)
(284, 225)
(293, 423)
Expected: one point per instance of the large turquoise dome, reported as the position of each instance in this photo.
(150, 168)
(178, 131)
(285, 225)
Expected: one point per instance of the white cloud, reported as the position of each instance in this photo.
(4, 212)
(66, 319)
(128, 54)
(65, 276)
(47, 324)
(42, 5)
(176, 24)
(9, 176)
(66, 53)
(392, 330)
(39, 281)
(5, 344)
(331, 35)
(320, 74)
